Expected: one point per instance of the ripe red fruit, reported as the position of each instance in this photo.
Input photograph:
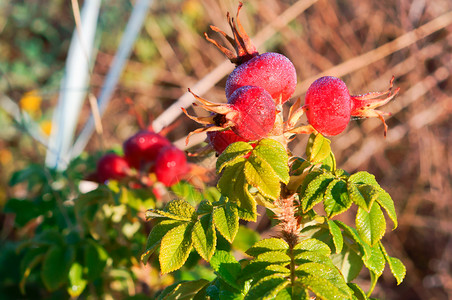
(250, 113)
(170, 165)
(112, 166)
(328, 105)
(143, 147)
(271, 71)
(220, 140)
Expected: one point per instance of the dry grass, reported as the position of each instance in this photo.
(365, 43)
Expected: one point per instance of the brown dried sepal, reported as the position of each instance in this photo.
(245, 50)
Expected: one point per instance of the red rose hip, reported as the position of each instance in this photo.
(112, 166)
(220, 140)
(143, 147)
(170, 165)
(271, 71)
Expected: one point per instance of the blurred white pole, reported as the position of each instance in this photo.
(130, 34)
(73, 87)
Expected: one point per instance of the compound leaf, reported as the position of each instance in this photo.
(276, 156)
(266, 245)
(233, 154)
(315, 191)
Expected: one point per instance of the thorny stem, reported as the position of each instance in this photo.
(289, 227)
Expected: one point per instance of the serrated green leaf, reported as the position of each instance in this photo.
(76, 281)
(362, 195)
(275, 155)
(321, 287)
(376, 261)
(188, 192)
(363, 177)
(266, 245)
(267, 288)
(395, 264)
(186, 290)
(371, 226)
(205, 207)
(204, 237)
(336, 199)
(358, 293)
(260, 174)
(349, 262)
(329, 163)
(233, 154)
(385, 200)
(326, 272)
(314, 245)
(227, 267)
(336, 234)
(264, 260)
(320, 149)
(56, 265)
(226, 220)
(156, 235)
(315, 191)
(157, 213)
(353, 234)
(175, 247)
(181, 208)
(309, 177)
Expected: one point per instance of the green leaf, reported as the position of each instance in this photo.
(188, 192)
(95, 259)
(385, 200)
(245, 238)
(321, 287)
(371, 226)
(320, 149)
(267, 288)
(32, 258)
(325, 272)
(77, 283)
(175, 247)
(56, 265)
(260, 174)
(205, 207)
(395, 264)
(314, 245)
(204, 237)
(275, 155)
(336, 199)
(233, 154)
(266, 245)
(363, 195)
(358, 293)
(264, 260)
(186, 290)
(376, 262)
(336, 234)
(226, 266)
(232, 182)
(156, 235)
(353, 234)
(349, 262)
(315, 191)
(226, 220)
(181, 208)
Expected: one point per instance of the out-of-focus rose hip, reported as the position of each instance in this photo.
(112, 166)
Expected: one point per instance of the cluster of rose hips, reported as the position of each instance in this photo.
(145, 153)
(261, 83)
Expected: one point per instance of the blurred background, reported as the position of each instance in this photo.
(363, 42)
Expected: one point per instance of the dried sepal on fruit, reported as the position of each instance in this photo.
(245, 50)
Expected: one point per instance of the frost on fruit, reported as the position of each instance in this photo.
(329, 105)
(220, 140)
(250, 113)
(271, 71)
